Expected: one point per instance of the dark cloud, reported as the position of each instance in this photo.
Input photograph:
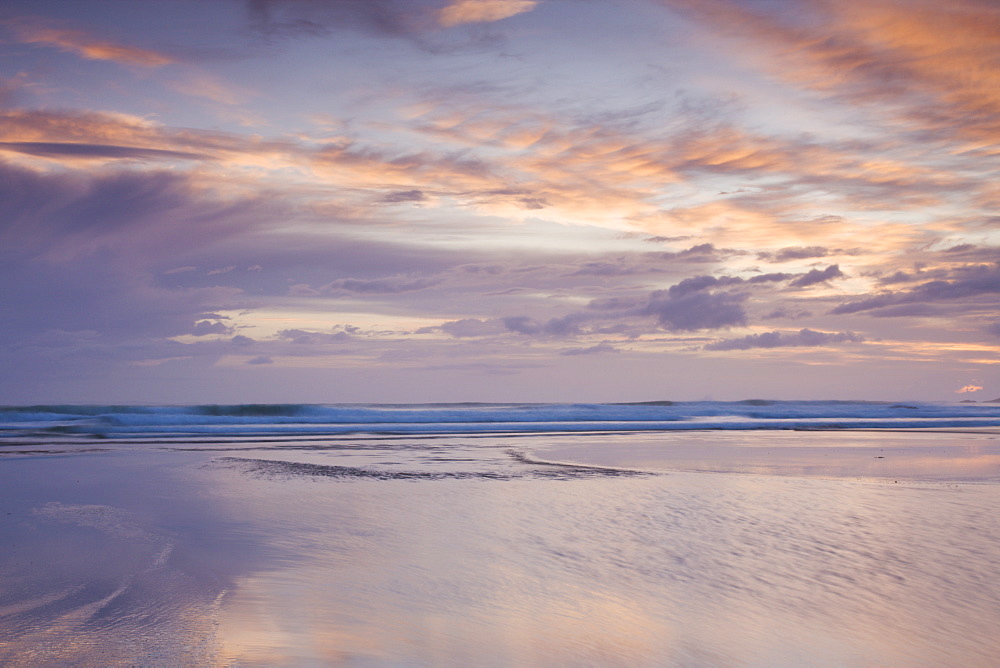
(972, 252)
(157, 211)
(769, 278)
(405, 196)
(394, 18)
(616, 267)
(75, 250)
(994, 328)
(565, 326)
(698, 283)
(78, 133)
(785, 313)
(966, 282)
(63, 149)
(206, 328)
(389, 285)
(700, 253)
(915, 310)
(614, 303)
(793, 253)
(804, 337)
(646, 263)
(690, 311)
(468, 327)
(663, 240)
(260, 359)
(814, 276)
(334, 264)
(897, 277)
(701, 302)
(303, 337)
(417, 21)
(599, 349)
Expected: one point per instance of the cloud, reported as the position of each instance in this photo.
(76, 251)
(389, 285)
(598, 349)
(260, 359)
(304, 337)
(682, 310)
(969, 388)
(206, 327)
(994, 328)
(66, 149)
(657, 262)
(404, 196)
(70, 214)
(459, 12)
(908, 311)
(804, 337)
(563, 326)
(617, 267)
(967, 282)
(319, 17)
(931, 64)
(770, 278)
(221, 270)
(419, 22)
(469, 327)
(794, 253)
(701, 253)
(87, 46)
(89, 134)
(817, 276)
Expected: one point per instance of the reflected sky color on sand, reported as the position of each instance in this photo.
(334, 552)
(915, 455)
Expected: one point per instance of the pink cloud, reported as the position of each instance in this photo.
(482, 11)
(89, 47)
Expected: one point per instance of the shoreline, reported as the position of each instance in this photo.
(448, 550)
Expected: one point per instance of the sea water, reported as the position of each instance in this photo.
(260, 419)
(289, 535)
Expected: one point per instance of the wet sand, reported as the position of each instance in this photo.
(701, 548)
(908, 455)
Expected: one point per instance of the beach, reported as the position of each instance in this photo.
(631, 549)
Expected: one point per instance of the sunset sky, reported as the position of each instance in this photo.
(499, 200)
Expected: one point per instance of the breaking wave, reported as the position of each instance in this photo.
(118, 421)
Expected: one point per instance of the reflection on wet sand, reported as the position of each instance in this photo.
(275, 556)
(679, 569)
(914, 455)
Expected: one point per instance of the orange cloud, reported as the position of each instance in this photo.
(969, 388)
(934, 64)
(482, 11)
(82, 44)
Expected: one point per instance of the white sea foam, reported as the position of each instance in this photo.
(262, 419)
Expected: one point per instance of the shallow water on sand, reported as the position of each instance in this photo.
(475, 551)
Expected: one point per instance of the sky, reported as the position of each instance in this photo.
(224, 201)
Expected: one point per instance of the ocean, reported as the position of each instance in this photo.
(754, 533)
(316, 419)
